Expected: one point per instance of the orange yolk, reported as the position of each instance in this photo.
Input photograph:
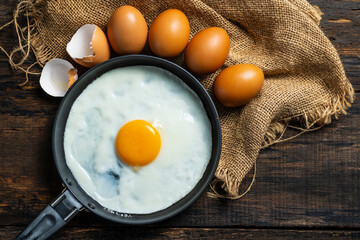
(138, 143)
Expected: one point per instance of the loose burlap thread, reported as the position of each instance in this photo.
(305, 80)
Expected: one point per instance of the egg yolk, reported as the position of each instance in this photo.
(138, 143)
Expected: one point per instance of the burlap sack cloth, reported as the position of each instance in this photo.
(305, 80)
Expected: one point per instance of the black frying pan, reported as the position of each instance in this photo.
(73, 198)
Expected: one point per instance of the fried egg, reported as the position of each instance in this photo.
(137, 139)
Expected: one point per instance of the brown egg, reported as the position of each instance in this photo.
(238, 84)
(127, 30)
(169, 33)
(207, 50)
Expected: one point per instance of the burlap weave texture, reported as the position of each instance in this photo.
(305, 80)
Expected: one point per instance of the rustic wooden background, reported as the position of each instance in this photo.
(305, 188)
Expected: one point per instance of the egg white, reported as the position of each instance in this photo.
(122, 95)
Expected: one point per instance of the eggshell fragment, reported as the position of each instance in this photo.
(89, 46)
(56, 77)
(72, 76)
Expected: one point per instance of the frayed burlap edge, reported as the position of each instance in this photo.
(311, 120)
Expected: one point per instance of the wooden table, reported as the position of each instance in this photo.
(308, 187)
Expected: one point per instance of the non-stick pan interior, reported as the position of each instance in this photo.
(59, 128)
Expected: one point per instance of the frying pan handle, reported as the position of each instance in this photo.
(53, 217)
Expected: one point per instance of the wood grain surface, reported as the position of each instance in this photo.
(305, 188)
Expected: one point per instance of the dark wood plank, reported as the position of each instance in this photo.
(189, 233)
(341, 24)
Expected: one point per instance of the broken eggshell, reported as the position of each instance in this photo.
(57, 77)
(89, 46)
